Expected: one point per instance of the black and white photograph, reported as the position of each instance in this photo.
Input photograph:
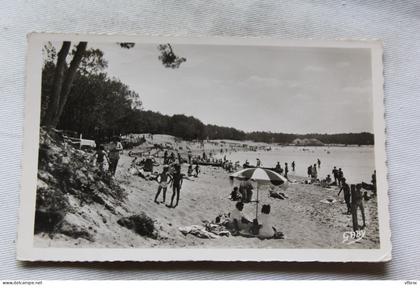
(201, 146)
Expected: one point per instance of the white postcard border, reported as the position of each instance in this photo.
(25, 244)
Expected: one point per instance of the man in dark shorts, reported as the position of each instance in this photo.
(357, 203)
(347, 194)
(177, 179)
(293, 166)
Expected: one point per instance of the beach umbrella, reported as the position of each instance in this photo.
(261, 176)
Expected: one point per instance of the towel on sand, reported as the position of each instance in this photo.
(198, 231)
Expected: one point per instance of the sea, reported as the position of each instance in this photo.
(357, 163)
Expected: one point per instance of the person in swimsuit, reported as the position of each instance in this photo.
(164, 179)
(346, 190)
(177, 179)
(115, 148)
(357, 203)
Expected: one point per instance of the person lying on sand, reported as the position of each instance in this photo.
(163, 179)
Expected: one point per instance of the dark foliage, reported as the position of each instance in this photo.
(140, 224)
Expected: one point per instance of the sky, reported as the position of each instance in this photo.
(253, 88)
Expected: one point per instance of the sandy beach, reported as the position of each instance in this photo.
(304, 217)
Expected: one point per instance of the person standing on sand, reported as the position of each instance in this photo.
(258, 162)
(165, 157)
(335, 174)
(314, 172)
(346, 190)
(286, 170)
(310, 171)
(197, 169)
(374, 182)
(293, 166)
(114, 154)
(164, 179)
(319, 163)
(179, 158)
(177, 179)
(357, 203)
(340, 176)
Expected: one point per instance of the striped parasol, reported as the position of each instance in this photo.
(261, 176)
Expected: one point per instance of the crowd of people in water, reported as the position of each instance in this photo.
(171, 176)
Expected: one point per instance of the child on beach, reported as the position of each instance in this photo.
(164, 179)
(100, 156)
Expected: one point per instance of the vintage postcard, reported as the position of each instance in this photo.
(224, 149)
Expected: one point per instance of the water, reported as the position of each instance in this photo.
(357, 163)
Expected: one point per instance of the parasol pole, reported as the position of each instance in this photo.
(257, 202)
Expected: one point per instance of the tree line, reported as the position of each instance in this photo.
(78, 95)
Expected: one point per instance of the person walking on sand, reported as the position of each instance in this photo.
(177, 179)
(164, 179)
(346, 190)
(319, 163)
(114, 154)
(357, 203)
(293, 166)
